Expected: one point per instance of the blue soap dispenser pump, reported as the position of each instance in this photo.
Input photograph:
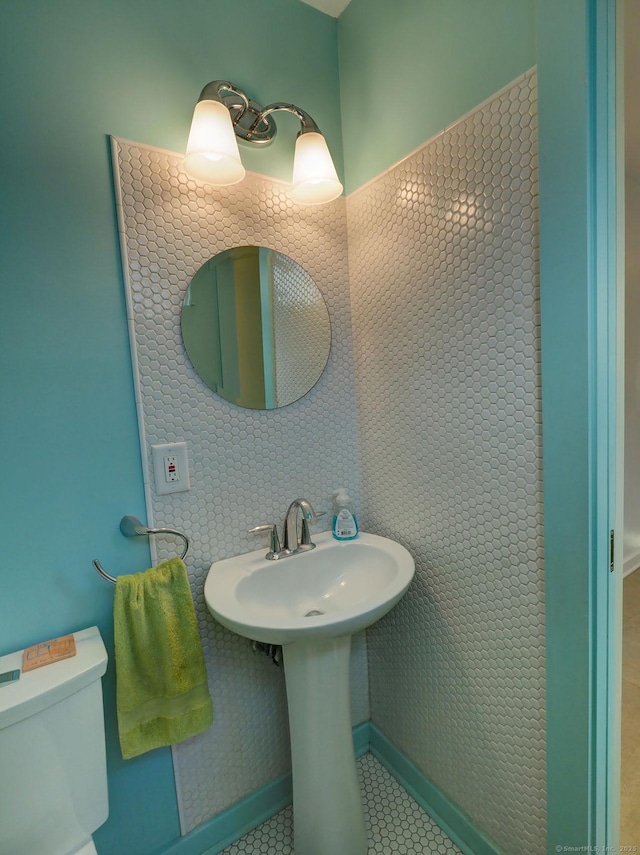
(345, 525)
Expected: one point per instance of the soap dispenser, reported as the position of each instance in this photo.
(345, 525)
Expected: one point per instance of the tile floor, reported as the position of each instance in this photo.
(630, 778)
(395, 822)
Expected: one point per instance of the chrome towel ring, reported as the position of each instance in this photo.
(132, 527)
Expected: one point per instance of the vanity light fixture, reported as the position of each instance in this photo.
(224, 112)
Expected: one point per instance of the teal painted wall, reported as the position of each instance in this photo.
(75, 71)
(411, 67)
(71, 73)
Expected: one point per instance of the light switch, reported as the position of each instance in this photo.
(170, 467)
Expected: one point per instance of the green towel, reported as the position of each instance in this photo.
(162, 695)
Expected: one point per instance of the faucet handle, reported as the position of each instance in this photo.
(274, 543)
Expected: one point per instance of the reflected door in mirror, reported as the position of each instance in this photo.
(256, 328)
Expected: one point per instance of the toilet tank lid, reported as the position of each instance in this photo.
(44, 686)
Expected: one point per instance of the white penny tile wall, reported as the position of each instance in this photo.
(246, 465)
(443, 256)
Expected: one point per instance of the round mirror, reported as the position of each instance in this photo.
(256, 327)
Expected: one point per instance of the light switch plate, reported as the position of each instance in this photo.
(170, 467)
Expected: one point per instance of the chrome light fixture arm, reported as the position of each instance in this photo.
(213, 92)
(308, 126)
(249, 122)
(252, 122)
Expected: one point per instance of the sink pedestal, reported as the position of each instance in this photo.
(328, 817)
(311, 604)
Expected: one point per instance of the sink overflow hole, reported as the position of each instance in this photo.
(313, 612)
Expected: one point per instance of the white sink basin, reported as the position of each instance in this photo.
(351, 583)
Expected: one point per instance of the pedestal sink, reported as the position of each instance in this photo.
(311, 604)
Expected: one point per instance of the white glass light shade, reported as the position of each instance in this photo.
(212, 150)
(314, 176)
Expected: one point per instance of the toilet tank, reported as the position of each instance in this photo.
(53, 772)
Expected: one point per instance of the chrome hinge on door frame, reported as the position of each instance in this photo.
(612, 546)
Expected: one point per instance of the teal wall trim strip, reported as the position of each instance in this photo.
(215, 835)
(576, 58)
(564, 255)
(454, 822)
(606, 165)
(616, 187)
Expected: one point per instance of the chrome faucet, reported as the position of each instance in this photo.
(290, 543)
(290, 537)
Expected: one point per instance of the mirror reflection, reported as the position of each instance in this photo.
(256, 327)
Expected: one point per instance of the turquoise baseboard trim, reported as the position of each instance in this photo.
(453, 821)
(361, 738)
(213, 836)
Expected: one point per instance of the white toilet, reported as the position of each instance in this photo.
(53, 771)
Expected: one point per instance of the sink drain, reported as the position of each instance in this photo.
(313, 613)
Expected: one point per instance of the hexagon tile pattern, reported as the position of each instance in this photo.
(299, 330)
(395, 822)
(246, 465)
(443, 258)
